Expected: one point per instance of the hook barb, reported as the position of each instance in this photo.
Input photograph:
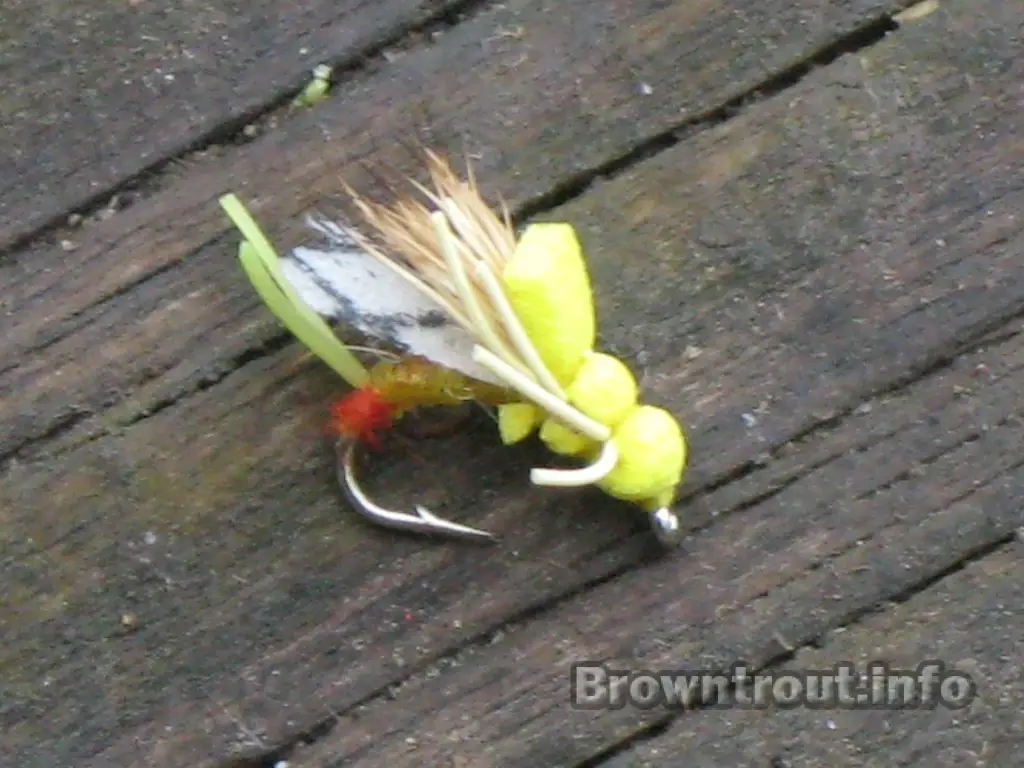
(422, 521)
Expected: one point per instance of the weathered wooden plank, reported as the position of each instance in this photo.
(538, 108)
(862, 514)
(972, 621)
(94, 96)
(239, 591)
(915, 483)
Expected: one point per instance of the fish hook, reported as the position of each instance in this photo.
(423, 521)
(663, 521)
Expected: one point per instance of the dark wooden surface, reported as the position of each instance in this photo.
(824, 282)
(970, 619)
(98, 97)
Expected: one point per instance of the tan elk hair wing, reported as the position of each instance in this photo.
(403, 236)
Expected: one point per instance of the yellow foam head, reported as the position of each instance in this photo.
(652, 457)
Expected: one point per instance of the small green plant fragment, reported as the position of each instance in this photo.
(316, 90)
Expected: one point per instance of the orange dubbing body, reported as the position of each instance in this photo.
(396, 387)
(417, 382)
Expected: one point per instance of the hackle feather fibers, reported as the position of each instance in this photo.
(403, 236)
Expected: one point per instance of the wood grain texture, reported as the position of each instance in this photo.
(866, 505)
(795, 246)
(847, 520)
(96, 95)
(971, 621)
(535, 111)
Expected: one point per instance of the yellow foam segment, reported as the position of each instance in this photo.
(547, 284)
(560, 439)
(604, 389)
(516, 421)
(652, 456)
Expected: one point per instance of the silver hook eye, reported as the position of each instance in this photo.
(666, 526)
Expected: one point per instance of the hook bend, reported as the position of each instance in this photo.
(422, 521)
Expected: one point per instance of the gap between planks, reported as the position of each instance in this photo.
(970, 621)
(659, 118)
(350, 67)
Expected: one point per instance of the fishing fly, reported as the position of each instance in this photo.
(478, 314)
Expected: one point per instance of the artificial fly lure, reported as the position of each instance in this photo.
(479, 315)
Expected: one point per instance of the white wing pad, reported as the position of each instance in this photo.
(348, 285)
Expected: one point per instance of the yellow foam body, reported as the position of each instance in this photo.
(547, 284)
(603, 389)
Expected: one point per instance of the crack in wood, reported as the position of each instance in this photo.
(868, 34)
(309, 661)
(233, 132)
(321, 729)
(272, 757)
(858, 39)
(832, 557)
(72, 424)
